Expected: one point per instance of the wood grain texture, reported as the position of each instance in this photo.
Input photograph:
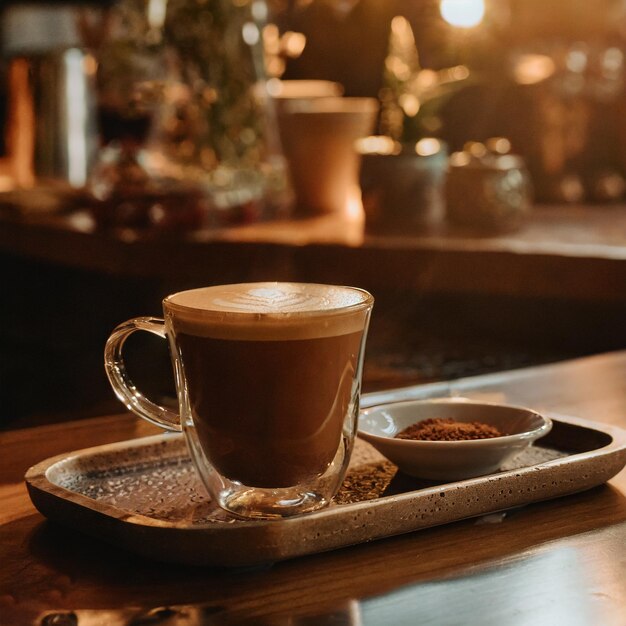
(562, 561)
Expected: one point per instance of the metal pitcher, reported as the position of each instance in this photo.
(52, 110)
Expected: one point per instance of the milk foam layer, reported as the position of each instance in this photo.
(268, 310)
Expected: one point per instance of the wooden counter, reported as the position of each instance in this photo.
(556, 562)
(562, 252)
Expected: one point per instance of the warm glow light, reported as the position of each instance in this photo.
(410, 104)
(476, 149)
(530, 69)
(250, 33)
(77, 114)
(156, 13)
(612, 62)
(462, 13)
(21, 125)
(427, 79)
(427, 146)
(354, 205)
(271, 39)
(398, 68)
(460, 159)
(258, 10)
(293, 44)
(6, 182)
(274, 87)
(377, 144)
(303, 89)
(499, 145)
(459, 72)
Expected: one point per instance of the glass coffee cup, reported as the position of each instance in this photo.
(268, 378)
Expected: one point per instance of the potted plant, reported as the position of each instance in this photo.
(403, 169)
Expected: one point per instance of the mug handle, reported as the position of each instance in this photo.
(123, 386)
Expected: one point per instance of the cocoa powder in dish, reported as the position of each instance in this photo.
(447, 429)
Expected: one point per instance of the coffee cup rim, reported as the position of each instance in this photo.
(367, 302)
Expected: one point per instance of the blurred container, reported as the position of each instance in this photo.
(402, 186)
(52, 122)
(487, 191)
(318, 137)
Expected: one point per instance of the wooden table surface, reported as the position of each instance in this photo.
(556, 562)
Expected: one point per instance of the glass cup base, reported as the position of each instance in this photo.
(248, 503)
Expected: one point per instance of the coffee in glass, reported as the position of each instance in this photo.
(268, 379)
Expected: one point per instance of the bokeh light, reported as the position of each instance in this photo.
(462, 13)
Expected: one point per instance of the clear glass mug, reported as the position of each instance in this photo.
(268, 377)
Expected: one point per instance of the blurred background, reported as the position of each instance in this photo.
(465, 160)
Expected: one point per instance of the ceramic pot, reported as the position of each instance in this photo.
(403, 193)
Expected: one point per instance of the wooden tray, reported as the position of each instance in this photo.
(144, 495)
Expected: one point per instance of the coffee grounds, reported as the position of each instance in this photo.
(366, 482)
(447, 429)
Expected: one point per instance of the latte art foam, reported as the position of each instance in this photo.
(269, 298)
(268, 310)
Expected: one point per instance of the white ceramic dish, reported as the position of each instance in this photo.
(451, 460)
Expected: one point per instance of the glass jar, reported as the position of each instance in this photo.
(189, 135)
